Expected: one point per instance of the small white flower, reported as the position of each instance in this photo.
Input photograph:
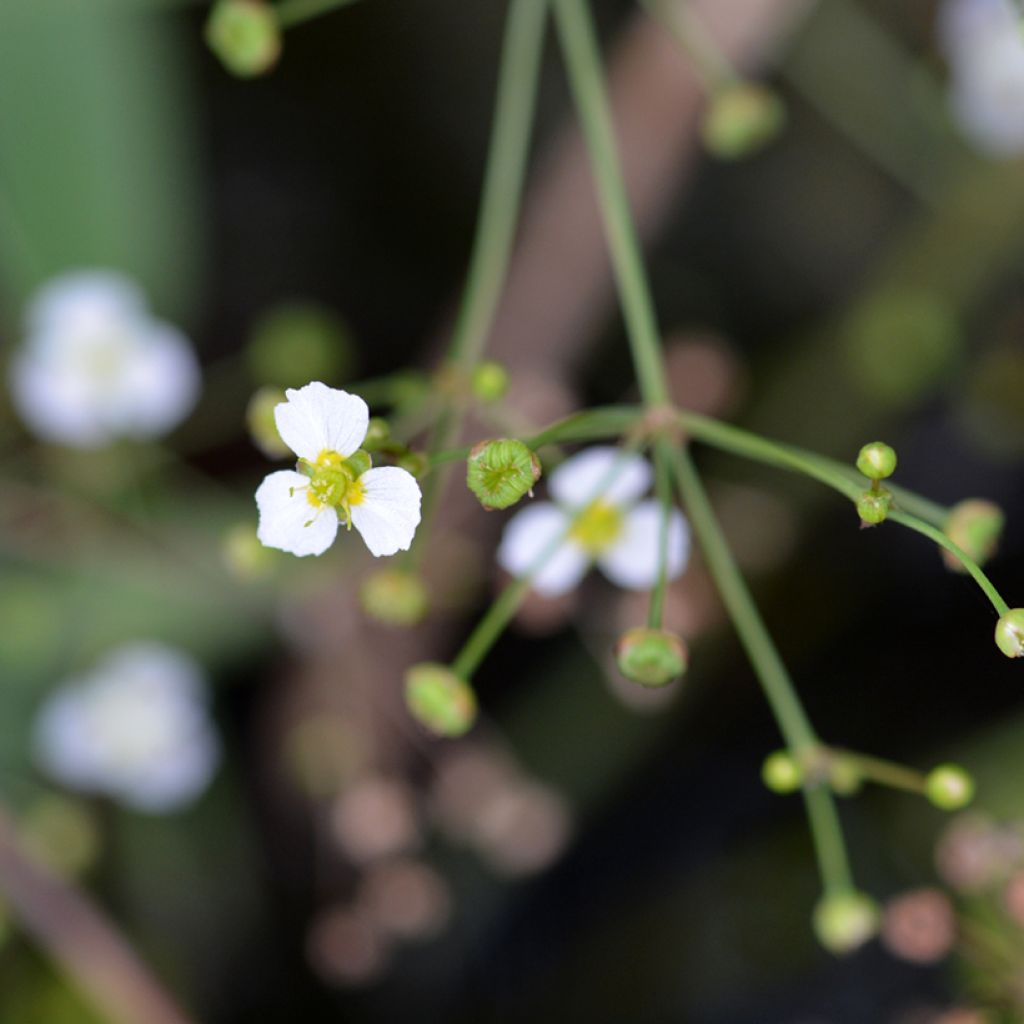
(299, 512)
(137, 729)
(96, 366)
(617, 531)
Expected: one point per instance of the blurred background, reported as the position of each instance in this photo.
(590, 851)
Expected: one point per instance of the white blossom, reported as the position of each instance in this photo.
(300, 511)
(136, 728)
(96, 366)
(616, 530)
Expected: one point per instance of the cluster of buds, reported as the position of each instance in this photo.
(876, 461)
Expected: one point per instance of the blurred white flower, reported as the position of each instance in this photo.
(96, 366)
(137, 729)
(984, 44)
(299, 512)
(615, 531)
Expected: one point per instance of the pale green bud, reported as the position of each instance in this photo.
(873, 507)
(975, 526)
(439, 700)
(740, 119)
(413, 462)
(845, 921)
(844, 777)
(876, 460)
(243, 554)
(949, 787)
(259, 418)
(490, 381)
(651, 657)
(781, 772)
(501, 472)
(378, 433)
(245, 35)
(299, 342)
(394, 597)
(1010, 633)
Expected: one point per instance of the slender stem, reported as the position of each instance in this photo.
(827, 834)
(294, 12)
(663, 490)
(887, 773)
(586, 79)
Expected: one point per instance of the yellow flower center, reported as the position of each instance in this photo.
(597, 528)
(333, 481)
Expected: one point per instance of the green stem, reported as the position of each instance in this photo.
(886, 773)
(713, 68)
(586, 79)
(294, 12)
(827, 834)
(663, 490)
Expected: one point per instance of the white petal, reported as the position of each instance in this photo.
(585, 477)
(161, 383)
(390, 511)
(82, 299)
(632, 562)
(288, 521)
(526, 545)
(316, 417)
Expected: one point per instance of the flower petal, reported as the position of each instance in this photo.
(288, 521)
(632, 562)
(161, 383)
(581, 479)
(83, 299)
(528, 535)
(389, 513)
(317, 417)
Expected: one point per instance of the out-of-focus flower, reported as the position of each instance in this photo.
(406, 898)
(137, 728)
(614, 531)
(974, 853)
(983, 43)
(299, 512)
(376, 817)
(919, 926)
(97, 366)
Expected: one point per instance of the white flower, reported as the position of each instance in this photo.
(985, 47)
(299, 512)
(614, 530)
(96, 366)
(136, 729)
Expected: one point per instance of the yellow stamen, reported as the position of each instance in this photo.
(597, 528)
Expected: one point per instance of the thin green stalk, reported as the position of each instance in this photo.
(663, 491)
(829, 849)
(294, 12)
(712, 66)
(586, 79)
(886, 773)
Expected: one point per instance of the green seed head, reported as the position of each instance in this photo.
(876, 460)
(439, 700)
(490, 381)
(394, 597)
(781, 772)
(245, 35)
(1010, 633)
(845, 921)
(651, 657)
(499, 473)
(740, 119)
(873, 507)
(949, 787)
(259, 418)
(974, 525)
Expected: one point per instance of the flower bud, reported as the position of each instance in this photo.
(378, 433)
(243, 554)
(439, 700)
(740, 119)
(499, 473)
(876, 460)
(299, 342)
(394, 597)
(413, 462)
(844, 777)
(1010, 633)
(845, 921)
(949, 787)
(873, 507)
(975, 526)
(245, 35)
(490, 381)
(781, 772)
(259, 418)
(651, 657)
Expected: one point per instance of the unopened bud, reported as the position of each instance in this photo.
(1010, 633)
(949, 787)
(394, 597)
(501, 472)
(876, 460)
(378, 433)
(740, 119)
(243, 554)
(781, 772)
(845, 921)
(439, 700)
(651, 657)
(259, 418)
(413, 462)
(299, 342)
(975, 526)
(245, 35)
(844, 776)
(490, 381)
(873, 507)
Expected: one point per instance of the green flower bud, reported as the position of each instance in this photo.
(974, 525)
(949, 787)
(245, 35)
(394, 597)
(844, 777)
(781, 772)
(876, 460)
(499, 473)
(651, 657)
(1010, 633)
(845, 921)
(873, 507)
(439, 700)
(413, 462)
(378, 433)
(295, 343)
(490, 381)
(259, 418)
(243, 554)
(740, 119)
(358, 463)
